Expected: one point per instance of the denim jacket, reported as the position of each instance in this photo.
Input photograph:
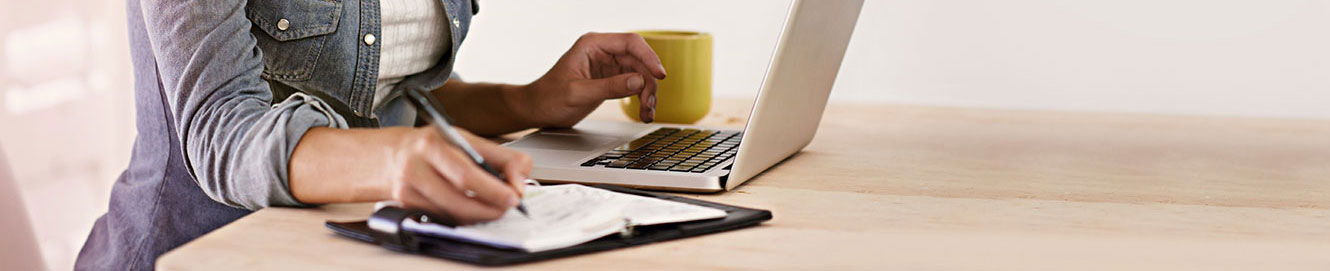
(224, 90)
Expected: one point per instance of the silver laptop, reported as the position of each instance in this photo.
(699, 159)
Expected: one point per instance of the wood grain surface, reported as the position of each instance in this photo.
(935, 188)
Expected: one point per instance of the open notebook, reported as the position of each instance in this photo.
(567, 215)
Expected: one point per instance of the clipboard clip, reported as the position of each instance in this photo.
(386, 227)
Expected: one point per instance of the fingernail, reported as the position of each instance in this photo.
(662, 70)
(512, 202)
(635, 83)
(652, 101)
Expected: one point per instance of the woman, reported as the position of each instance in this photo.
(246, 105)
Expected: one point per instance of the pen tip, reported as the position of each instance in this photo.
(521, 208)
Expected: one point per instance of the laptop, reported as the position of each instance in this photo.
(783, 120)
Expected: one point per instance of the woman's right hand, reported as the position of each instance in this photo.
(430, 174)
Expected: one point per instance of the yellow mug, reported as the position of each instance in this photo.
(684, 96)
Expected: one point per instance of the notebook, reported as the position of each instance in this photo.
(567, 215)
(386, 228)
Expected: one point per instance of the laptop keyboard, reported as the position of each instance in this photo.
(672, 149)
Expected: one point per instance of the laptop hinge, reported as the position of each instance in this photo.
(723, 179)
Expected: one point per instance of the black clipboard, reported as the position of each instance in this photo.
(386, 225)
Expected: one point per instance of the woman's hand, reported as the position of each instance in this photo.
(598, 67)
(428, 173)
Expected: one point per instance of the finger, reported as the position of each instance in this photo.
(489, 190)
(617, 86)
(637, 46)
(465, 175)
(514, 164)
(412, 199)
(444, 199)
(647, 106)
(631, 64)
(647, 98)
(630, 44)
(459, 210)
(604, 69)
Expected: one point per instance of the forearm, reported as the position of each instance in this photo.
(483, 108)
(336, 165)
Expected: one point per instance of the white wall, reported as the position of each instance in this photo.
(1213, 57)
(66, 102)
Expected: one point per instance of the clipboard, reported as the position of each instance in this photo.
(384, 228)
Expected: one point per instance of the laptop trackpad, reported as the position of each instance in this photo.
(563, 142)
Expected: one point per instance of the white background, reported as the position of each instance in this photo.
(66, 99)
(1211, 57)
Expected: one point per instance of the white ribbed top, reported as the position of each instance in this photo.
(413, 37)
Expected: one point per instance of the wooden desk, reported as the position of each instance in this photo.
(910, 187)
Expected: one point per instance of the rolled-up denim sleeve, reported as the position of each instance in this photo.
(237, 142)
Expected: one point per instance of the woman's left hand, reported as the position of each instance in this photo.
(598, 67)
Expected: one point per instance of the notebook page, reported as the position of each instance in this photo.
(567, 215)
(642, 210)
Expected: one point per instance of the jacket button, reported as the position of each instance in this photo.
(369, 39)
(283, 24)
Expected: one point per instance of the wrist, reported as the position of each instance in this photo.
(517, 99)
(392, 155)
(334, 165)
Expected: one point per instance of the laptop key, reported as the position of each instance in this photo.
(680, 168)
(672, 149)
(639, 143)
(639, 165)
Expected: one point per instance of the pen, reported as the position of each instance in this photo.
(430, 106)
